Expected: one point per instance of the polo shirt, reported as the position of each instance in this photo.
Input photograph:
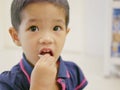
(70, 76)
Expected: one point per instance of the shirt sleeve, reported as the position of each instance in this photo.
(82, 81)
(13, 81)
(4, 82)
(78, 77)
(4, 86)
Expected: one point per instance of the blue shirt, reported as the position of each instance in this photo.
(70, 76)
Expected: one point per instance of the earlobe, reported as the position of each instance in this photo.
(68, 30)
(14, 34)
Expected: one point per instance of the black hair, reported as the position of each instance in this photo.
(18, 5)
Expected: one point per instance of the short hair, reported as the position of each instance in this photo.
(18, 5)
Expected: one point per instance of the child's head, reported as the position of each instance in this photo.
(39, 27)
(19, 5)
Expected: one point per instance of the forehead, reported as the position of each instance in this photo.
(44, 10)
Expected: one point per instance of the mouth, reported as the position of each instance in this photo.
(46, 51)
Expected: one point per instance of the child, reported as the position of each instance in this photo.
(40, 28)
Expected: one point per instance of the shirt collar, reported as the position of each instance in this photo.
(62, 72)
(27, 65)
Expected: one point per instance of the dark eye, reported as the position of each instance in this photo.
(57, 28)
(34, 28)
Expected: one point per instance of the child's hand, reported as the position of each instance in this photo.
(44, 73)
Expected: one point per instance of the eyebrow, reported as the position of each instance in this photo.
(60, 21)
(55, 20)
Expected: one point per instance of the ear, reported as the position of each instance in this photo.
(14, 34)
(68, 30)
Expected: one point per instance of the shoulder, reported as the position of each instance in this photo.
(11, 78)
(73, 67)
(10, 74)
(76, 75)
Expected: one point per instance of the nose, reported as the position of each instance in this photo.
(46, 39)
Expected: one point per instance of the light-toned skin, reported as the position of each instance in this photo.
(42, 28)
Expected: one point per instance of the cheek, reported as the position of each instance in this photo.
(27, 39)
(28, 44)
(61, 42)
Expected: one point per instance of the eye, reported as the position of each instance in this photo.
(57, 28)
(34, 28)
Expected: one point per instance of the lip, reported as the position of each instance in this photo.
(44, 51)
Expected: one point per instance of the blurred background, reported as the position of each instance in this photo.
(88, 43)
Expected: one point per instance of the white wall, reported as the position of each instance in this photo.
(5, 23)
(95, 26)
(75, 40)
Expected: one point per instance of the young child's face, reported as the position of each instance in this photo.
(42, 31)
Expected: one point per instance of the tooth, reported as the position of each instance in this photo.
(48, 50)
(44, 50)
